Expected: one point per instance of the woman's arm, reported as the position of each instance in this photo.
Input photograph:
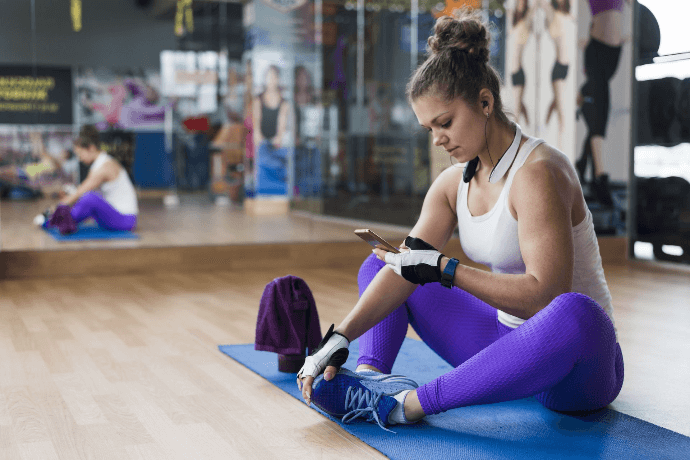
(542, 196)
(93, 181)
(388, 290)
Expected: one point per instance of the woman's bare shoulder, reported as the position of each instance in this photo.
(546, 158)
(448, 182)
(110, 169)
(549, 153)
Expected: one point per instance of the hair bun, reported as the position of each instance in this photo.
(465, 31)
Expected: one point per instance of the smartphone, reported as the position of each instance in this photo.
(374, 240)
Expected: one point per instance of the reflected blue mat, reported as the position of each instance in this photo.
(515, 429)
(91, 232)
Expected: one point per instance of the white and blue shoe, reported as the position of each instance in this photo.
(368, 395)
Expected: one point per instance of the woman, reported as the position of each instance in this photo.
(557, 19)
(115, 207)
(520, 33)
(271, 115)
(539, 324)
(307, 131)
(601, 61)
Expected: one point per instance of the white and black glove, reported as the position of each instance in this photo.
(420, 265)
(332, 351)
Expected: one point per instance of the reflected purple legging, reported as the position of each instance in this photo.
(566, 355)
(91, 204)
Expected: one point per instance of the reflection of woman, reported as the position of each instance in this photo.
(249, 131)
(522, 29)
(115, 207)
(270, 117)
(271, 111)
(304, 97)
(557, 17)
(601, 61)
(540, 323)
(307, 156)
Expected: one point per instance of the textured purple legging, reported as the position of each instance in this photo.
(566, 355)
(92, 204)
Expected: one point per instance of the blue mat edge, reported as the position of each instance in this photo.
(360, 431)
(101, 234)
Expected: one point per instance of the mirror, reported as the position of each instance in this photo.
(267, 120)
(660, 220)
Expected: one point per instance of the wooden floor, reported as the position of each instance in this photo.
(195, 222)
(127, 367)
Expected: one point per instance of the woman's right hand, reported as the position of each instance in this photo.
(331, 353)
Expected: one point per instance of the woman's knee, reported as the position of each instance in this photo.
(577, 309)
(369, 269)
(573, 303)
(88, 198)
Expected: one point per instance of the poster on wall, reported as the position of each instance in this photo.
(35, 95)
(540, 79)
(604, 85)
(120, 100)
(281, 60)
(273, 122)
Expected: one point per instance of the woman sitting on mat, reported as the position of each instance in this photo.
(540, 323)
(115, 207)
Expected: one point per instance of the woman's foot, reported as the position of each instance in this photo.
(352, 395)
(42, 219)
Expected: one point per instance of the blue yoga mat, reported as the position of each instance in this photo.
(91, 232)
(509, 430)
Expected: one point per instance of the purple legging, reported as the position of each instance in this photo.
(566, 355)
(91, 204)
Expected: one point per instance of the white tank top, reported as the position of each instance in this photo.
(492, 240)
(120, 192)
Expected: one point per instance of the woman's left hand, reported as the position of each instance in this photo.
(418, 262)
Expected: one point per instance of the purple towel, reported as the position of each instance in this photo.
(62, 219)
(288, 322)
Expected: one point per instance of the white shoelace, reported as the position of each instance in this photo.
(362, 402)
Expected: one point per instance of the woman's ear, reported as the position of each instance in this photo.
(486, 100)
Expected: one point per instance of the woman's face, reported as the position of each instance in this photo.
(455, 126)
(86, 155)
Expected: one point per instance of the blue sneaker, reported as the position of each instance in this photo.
(352, 395)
